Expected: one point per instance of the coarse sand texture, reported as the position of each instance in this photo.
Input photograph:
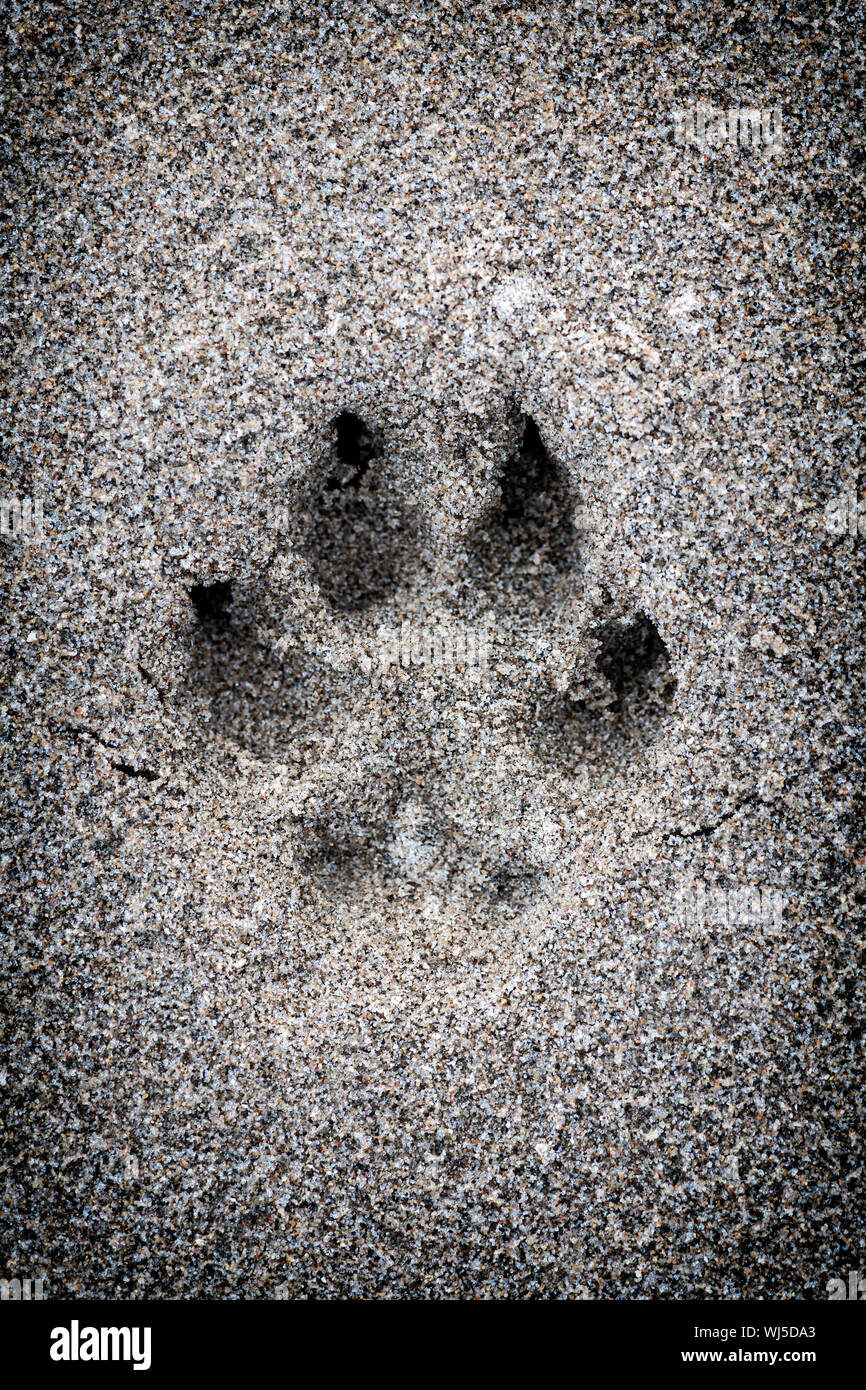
(432, 857)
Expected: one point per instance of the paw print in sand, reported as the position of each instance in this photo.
(423, 769)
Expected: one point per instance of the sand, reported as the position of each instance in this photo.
(432, 809)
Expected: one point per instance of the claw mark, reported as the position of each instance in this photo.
(210, 602)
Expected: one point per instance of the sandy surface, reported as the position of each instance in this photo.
(331, 329)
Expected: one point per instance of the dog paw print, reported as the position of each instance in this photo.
(350, 666)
